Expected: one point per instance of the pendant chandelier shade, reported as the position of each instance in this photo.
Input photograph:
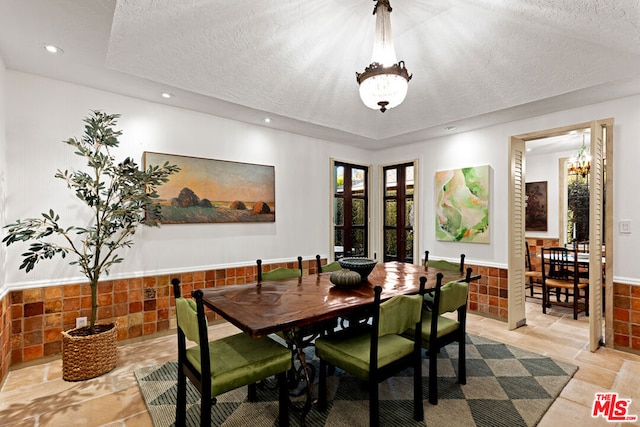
(384, 83)
(581, 163)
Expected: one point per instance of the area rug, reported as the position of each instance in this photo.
(505, 386)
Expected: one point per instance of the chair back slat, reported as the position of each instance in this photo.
(399, 314)
(443, 264)
(453, 295)
(187, 318)
(559, 263)
(329, 267)
(279, 273)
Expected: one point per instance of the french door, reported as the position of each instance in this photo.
(350, 210)
(398, 212)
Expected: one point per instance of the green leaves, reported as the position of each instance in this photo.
(120, 196)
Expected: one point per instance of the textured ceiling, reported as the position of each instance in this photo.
(474, 62)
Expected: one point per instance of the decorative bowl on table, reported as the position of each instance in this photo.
(363, 266)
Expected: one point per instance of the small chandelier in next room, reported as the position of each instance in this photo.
(581, 163)
(384, 83)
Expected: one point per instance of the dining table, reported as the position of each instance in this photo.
(263, 308)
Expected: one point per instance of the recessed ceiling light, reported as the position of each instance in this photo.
(450, 128)
(267, 120)
(166, 95)
(53, 49)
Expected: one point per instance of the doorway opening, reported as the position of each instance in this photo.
(601, 148)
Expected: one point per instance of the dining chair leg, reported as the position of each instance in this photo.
(322, 386)
(181, 401)
(374, 407)
(283, 399)
(462, 361)
(252, 392)
(205, 411)
(586, 301)
(418, 409)
(433, 376)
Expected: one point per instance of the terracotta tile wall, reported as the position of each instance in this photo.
(32, 320)
(626, 317)
(489, 294)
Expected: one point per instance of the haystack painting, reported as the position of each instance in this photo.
(215, 191)
(462, 205)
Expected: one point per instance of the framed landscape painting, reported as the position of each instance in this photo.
(215, 191)
(535, 212)
(462, 205)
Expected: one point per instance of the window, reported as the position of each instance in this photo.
(351, 210)
(398, 212)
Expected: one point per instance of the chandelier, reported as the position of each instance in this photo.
(384, 83)
(581, 163)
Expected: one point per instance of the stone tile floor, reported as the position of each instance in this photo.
(37, 396)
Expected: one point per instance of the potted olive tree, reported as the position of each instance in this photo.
(120, 197)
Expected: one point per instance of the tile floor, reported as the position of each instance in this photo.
(37, 396)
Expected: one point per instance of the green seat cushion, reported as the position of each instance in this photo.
(445, 327)
(352, 352)
(281, 273)
(442, 264)
(239, 360)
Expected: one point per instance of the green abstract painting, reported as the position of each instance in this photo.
(462, 205)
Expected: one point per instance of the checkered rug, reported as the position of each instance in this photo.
(505, 386)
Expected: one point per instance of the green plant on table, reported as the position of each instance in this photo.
(120, 195)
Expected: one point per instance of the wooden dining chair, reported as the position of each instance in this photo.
(378, 351)
(438, 330)
(330, 267)
(561, 271)
(279, 273)
(215, 367)
(534, 276)
(582, 247)
(441, 264)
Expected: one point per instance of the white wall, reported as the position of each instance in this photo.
(546, 168)
(490, 146)
(3, 172)
(41, 112)
(44, 112)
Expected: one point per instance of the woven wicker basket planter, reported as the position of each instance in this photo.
(85, 357)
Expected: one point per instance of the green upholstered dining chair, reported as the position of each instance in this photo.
(441, 264)
(375, 352)
(332, 266)
(438, 331)
(225, 364)
(280, 273)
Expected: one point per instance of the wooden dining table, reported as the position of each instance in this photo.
(291, 305)
(260, 309)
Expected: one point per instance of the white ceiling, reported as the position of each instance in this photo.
(474, 62)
